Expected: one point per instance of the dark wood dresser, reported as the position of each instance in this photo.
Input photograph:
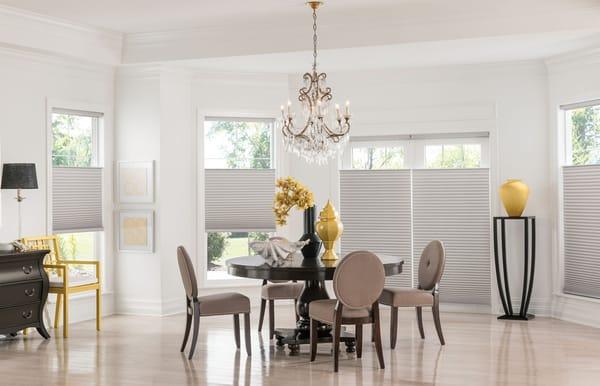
(23, 292)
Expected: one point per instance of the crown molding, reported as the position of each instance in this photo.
(572, 60)
(31, 31)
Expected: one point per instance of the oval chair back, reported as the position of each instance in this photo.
(431, 265)
(359, 279)
(188, 276)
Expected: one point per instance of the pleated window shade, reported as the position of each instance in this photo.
(581, 230)
(375, 209)
(239, 200)
(453, 205)
(76, 199)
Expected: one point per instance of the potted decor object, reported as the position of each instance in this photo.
(329, 229)
(514, 194)
(293, 194)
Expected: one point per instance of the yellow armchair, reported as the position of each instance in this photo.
(65, 280)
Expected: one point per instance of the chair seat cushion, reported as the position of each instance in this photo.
(76, 278)
(227, 303)
(287, 290)
(406, 297)
(324, 311)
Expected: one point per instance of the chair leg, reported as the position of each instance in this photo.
(373, 332)
(436, 319)
(98, 309)
(196, 327)
(263, 306)
(66, 315)
(420, 321)
(188, 324)
(271, 318)
(394, 327)
(57, 310)
(296, 310)
(359, 340)
(247, 333)
(336, 344)
(236, 329)
(313, 339)
(378, 345)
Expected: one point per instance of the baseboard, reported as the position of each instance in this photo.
(577, 309)
(83, 308)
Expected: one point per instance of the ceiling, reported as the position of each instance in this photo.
(274, 35)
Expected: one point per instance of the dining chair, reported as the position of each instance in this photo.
(272, 290)
(357, 282)
(230, 303)
(66, 279)
(431, 269)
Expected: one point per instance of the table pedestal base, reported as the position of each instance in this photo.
(294, 337)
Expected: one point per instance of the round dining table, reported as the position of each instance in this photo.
(314, 273)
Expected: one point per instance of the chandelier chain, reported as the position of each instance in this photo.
(314, 40)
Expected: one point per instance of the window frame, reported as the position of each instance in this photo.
(566, 158)
(98, 159)
(414, 147)
(277, 164)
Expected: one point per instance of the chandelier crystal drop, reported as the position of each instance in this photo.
(322, 133)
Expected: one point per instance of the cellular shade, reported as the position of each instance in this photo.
(375, 208)
(19, 176)
(76, 199)
(239, 200)
(581, 230)
(453, 205)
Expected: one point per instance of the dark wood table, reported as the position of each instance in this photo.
(313, 272)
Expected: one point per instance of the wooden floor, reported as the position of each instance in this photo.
(145, 351)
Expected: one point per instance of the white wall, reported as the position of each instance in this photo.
(571, 78)
(508, 100)
(29, 80)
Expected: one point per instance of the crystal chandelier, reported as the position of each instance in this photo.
(320, 135)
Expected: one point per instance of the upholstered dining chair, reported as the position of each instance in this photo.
(230, 303)
(431, 269)
(277, 290)
(357, 282)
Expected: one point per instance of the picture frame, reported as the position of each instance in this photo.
(136, 231)
(135, 181)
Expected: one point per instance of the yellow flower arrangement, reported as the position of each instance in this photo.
(291, 193)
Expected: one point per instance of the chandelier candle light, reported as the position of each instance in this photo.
(320, 136)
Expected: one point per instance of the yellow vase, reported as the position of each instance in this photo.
(329, 229)
(514, 194)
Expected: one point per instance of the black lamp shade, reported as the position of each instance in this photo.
(19, 176)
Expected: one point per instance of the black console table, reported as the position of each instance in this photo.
(23, 292)
(528, 266)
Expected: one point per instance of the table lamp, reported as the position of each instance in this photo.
(19, 176)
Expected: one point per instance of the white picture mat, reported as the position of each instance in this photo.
(136, 182)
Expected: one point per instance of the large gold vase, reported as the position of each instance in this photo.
(514, 194)
(329, 229)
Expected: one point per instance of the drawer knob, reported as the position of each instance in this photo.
(30, 292)
(27, 269)
(27, 315)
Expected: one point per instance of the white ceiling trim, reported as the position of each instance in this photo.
(31, 31)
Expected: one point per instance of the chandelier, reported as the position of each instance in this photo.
(320, 135)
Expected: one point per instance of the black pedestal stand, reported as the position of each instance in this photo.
(528, 269)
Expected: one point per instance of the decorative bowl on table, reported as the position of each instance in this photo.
(277, 250)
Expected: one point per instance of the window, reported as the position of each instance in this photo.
(76, 162)
(583, 135)
(239, 158)
(378, 157)
(238, 144)
(458, 156)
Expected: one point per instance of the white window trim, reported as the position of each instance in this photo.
(278, 163)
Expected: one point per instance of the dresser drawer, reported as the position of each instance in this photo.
(23, 293)
(19, 271)
(19, 315)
